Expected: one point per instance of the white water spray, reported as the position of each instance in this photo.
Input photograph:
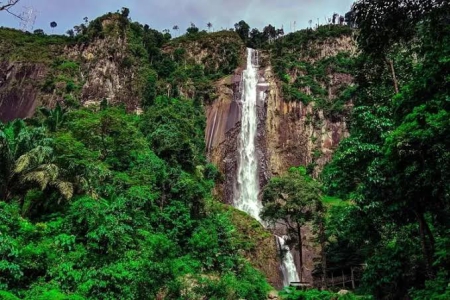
(248, 183)
(246, 195)
(288, 268)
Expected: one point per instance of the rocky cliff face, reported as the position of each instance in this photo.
(298, 134)
(103, 74)
(216, 52)
(85, 73)
(42, 70)
(221, 135)
(290, 133)
(19, 88)
(306, 134)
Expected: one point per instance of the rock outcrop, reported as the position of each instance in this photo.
(290, 133)
(298, 134)
(19, 88)
(221, 135)
(104, 73)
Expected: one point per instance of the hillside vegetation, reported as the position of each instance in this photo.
(98, 203)
(106, 194)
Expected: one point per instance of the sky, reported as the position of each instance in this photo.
(164, 14)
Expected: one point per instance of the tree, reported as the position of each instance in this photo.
(243, 30)
(350, 19)
(39, 32)
(54, 117)
(171, 127)
(394, 165)
(125, 12)
(292, 200)
(335, 17)
(269, 33)
(70, 33)
(27, 161)
(209, 25)
(176, 28)
(192, 29)
(53, 25)
(280, 33)
(256, 39)
(384, 24)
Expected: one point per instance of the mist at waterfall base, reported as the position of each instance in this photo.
(246, 195)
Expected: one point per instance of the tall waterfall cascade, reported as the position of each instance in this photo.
(246, 198)
(246, 194)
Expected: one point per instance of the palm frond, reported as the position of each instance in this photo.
(65, 188)
(43, 175)
(33, 158)
(39, 177)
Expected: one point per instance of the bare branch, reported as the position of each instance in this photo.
(11, 13)
(8, 4)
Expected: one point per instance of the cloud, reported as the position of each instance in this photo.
(258, 13)
(163, 14)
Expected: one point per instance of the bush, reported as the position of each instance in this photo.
(293, 294)
(68, 66)
(438, 289)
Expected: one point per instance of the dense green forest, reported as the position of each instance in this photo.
(102, 203)
(98, 203)
(395, 165)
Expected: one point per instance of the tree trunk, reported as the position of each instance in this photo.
(429, 235)
(300, 250)
(394, 77)
(323, 253)
(424, 231)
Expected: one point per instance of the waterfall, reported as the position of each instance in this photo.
(246, 194)
(288, 268)
(247, 180)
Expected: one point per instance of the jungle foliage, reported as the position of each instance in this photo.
(97, 203)
(115, 206)
(395, 165)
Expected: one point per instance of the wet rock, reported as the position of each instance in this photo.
(343, 292)
(273, 295)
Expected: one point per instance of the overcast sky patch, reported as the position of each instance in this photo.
(164, 14)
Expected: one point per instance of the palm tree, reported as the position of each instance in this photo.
(54, 117)
(53, 25)
(176, 28)
(26, 162)
(209, 26)
(335, 17)
(70, 33)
